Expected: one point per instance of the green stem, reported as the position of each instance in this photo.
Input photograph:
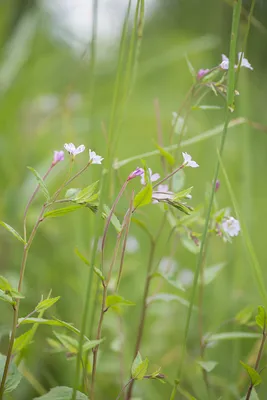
(229, 106)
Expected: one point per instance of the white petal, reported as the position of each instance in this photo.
(155, 177)
(225, 62)
(186, 157)
(192, 164)
(79, 149)
(70, 147)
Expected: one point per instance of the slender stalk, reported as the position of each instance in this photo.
(169, 176)
(264, 336)
(143, 312)
(124, 387)
(16, 306)
(31, 200)
(229, 106)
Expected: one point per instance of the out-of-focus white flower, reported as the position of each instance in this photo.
(94, 158)
(153, 177)
(178, 124)
(162, 193)
(188, 162)
(231, 226)
(167, 266)
(186, 277)
(71, 149)
(132, 244)
(244, 62)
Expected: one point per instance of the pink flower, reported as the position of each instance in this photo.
(137, 172)
(201, 73)
(58, 156)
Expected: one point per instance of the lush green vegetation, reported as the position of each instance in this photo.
(202, 293)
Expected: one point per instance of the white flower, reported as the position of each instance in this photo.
(132, 245)
(153, 177)
(167, 266)
(244, 63)
(162, 193)
(73, 150)
(231, 226)
(188, 162)
(178, 124)
(94, 158)
(225, 62)
(186, 277)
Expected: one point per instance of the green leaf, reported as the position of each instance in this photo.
(210, 273)
(98, 273)
(40, 182)
(183, 194)
(62, 211)
(254, 375)
(114, 300)
(87, 194)
(261, 318)
(244, 315)
(139, 367)
(6, 287)
(189, 244)
(114, 220)
(207, 365)
(144, 197)
(82, 257)
(206, 107)
(174, 282)
(184, 208)
(12, 230)
(61, 393)
(13, 376)
(168, 156)
(191, 69)
(23, 340)
(5, 297)
(47, 303)
(168, 297)
(232, 336)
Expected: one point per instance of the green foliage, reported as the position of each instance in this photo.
(47, 303)
(144, 197)
(40, 183)
(60, 212)
(232, 336)
(253, 374)
(173, 282)
(114, 220)
(208, 366)
(210, 273)
(166, 155)
(244, 316)
(115, 300)
(61, 393)
(13, 377)
(13, 232)
(261, 318)
(139, 367)
(87, 195)
(167, 297)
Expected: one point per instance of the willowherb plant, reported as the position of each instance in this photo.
(191, 226)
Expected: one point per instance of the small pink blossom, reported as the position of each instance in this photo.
(137, 172)
(58, 156)
(244, 62)
(231, 226)
(71, 149)
(201, 73)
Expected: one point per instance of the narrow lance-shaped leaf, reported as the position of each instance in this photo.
(12, 230)
(261, 318)
(5, 297)
(168, 156)
(144, 197)
(40, 182)
(114, 300)
(59, 212)
(114, 220)
(47, 303)
(13, 377)
(208, 366)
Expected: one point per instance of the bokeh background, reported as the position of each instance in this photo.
(46, 99)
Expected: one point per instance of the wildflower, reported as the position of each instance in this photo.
(58, 156)
(153, 177)
(94, 158)
(132, 244)
(73, 150)
(217, 185)
(231, 226)
(188, 162)
(137, 172)
(178, 124)
(162, 193)
(244, 62)
(201, 73)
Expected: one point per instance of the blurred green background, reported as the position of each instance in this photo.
(46, 99)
